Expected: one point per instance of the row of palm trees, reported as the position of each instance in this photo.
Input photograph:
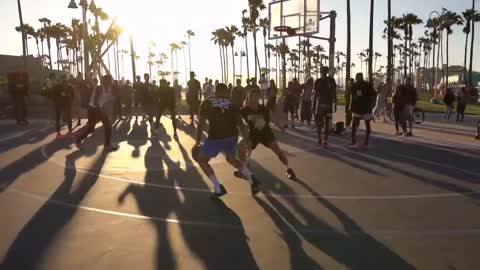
(68, 42)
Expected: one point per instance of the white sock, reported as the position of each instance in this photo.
(247, 173)
(216, 183)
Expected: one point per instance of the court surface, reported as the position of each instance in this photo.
(405, 203)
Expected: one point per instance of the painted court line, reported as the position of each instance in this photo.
(291, 228)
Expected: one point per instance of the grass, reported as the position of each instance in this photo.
(427, 106)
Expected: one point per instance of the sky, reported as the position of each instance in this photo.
(165, 22)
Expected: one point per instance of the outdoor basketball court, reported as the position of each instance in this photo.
(405, 203)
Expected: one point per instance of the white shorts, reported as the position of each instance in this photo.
(366, 117)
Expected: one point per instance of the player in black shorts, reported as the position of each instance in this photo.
(258, 118)
(166, 100)
(224, 122)
(290, 103)
(324, 104)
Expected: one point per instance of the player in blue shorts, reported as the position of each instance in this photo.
(224, 122)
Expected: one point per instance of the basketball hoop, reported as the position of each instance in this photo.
(289, 30)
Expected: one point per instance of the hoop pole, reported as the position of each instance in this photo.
(331, 57)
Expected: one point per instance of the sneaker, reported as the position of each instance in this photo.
(409, 134)
(110, 148)
(71, 135)
(222, 192)
(397, 133)
(59, 136)
(256, 186)
(291, 174)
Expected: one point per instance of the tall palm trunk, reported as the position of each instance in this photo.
(255, 53)
(265, 51)
(221, 60)
(233, 63)
(189, 55)
(465, 58)
(24, 36)
(472, 42)
(389, 48)
(405, 50)
(370, 54)
(185, 63)
(349, 43)
(225, 54)
(246, 51)
(447, 56)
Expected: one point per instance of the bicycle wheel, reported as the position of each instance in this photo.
(478, 131)
(418, 116)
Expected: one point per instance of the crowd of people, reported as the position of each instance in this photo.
(228, 109)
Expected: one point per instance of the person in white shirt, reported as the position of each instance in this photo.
(263, 82)
(96, 112)
(209, 89)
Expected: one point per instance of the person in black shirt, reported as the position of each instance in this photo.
(258, 118)
(63, 99)
(362, 102)
(194, 95)
(117, 100)
(224, 121)
(290, 102)
(137, 97)
(325, 104)
(166, 100)
(19, 87)
(238, 95)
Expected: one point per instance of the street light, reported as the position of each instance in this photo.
(242, 54)
(86, 57)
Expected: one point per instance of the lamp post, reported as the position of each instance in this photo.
(241, 55)
(86, 56)
(431, 24)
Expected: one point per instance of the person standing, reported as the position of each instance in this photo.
(448, 99)
(96, 113)
(381, 105)
(194, 96)
(289, 104)
(117, 100)
(63, 100)
(238, 95)
(362, 100)
(224, 122)
(399, 100)
(166, 97)
(272, 96)
(258, 118)
(178, 97)
(137, 97)
(348, 95)
(127, 97)
(209, 89)
(411, 102)
(306, 106)
(48, 89)
(19, 87)
(462, 95)
(204, 86)
(263, 82)
(324, 104)
(297, 90)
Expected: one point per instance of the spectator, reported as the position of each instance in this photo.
(461, 97)
(448, 99)
(19, 87)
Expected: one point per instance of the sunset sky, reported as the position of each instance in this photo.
(165, 22)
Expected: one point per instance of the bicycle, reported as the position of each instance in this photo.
(418, 116)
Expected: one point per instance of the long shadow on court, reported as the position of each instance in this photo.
(215, 246)
(400, 157)
(33, 241)
(354, 248)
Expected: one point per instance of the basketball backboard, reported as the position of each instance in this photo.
(303, 16)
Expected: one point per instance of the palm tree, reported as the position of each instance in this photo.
(370, 46)
(246, 26)
(24, 37)
(255, 6)
(217, 40)
(449, 18)
(46, 23)
(349, 42)
(361, 55)
(283, 50)
(472, 42)
(265, 24)
(183, 44)
(470, 16)
(173, 48)
(190, 34)
(406, 23)
(151, 55)
(389, 47)
(376, 55)
(232, 34)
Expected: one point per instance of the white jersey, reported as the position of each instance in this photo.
(104, 97)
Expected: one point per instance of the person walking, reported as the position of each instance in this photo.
(209, 89)
(47, 92)
(362, 100)
(263, 82)
(128, 98)
(19, 88)
(224, 122)
(411, 101)
(325, 104)
(348, 95)
(448, 99)
(461, 97)
(399, 100)
(290, 103)
(63, 99)
(96, 113)
(117, 100)
(178, 98)
(194, 95)
(306, 97)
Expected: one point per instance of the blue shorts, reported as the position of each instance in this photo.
(212, 148)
